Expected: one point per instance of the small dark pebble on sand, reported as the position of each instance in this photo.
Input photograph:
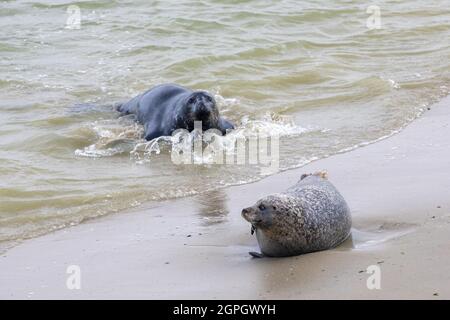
(435, 294)
(380, 262)
(189, 235)
(360, 271)
(167, 263)
(438, 207)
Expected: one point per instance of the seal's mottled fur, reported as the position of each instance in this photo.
(310, 216)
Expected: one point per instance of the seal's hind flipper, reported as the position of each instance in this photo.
(323, 174)
(256, 254)
(117, 106)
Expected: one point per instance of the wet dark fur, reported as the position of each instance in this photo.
(168, 107)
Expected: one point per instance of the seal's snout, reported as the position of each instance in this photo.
(245, 212)
(203, 106)
(202, 112)
(249, 214)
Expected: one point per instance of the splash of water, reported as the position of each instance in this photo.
(118, 136)
(114, 136)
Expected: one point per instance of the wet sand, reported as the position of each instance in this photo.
(197, 248)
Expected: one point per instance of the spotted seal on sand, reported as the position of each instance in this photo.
(168, 107)
(310, 216)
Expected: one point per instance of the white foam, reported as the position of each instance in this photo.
(270, 125)
(113, 137)
(116, 136)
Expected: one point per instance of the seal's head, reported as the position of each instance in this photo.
(201, 106)
(270, 211)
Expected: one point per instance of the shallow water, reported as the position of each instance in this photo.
(311, 72)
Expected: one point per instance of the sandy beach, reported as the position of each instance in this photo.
(197, 248)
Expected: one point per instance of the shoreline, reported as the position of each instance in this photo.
(197, 247)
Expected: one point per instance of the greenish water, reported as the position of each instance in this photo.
(342, 83)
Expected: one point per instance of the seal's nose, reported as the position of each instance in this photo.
(202, 113)
(246, 213)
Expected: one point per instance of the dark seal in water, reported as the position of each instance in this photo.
(168, 107)
(310, 216)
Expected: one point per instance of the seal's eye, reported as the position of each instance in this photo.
(208, 98)
(261, 207)
(191, 100)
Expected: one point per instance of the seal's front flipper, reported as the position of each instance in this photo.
(252, 230)
(152, 134)
(225, 125)
(256, 254)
